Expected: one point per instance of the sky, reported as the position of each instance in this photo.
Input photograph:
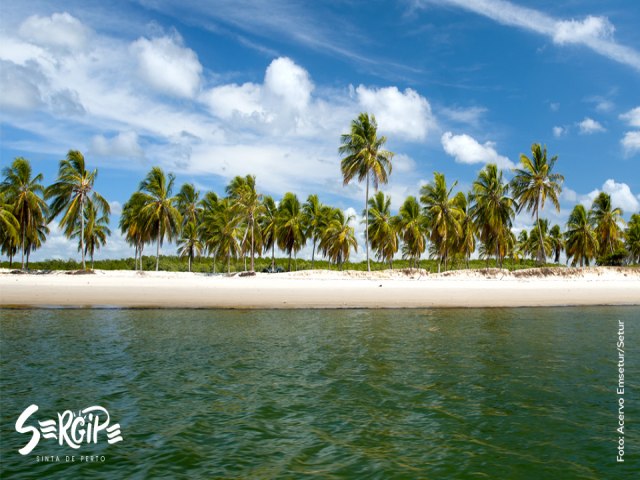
(211, 89)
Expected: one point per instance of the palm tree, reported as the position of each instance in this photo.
(410, 223)
(315, 218)
(338, 238)
(523, 246)
(443, 216)
(187, 203)
(189, 244)
(632, 237)
(96, 231)
(24, 193)
(132, 225)
(72, 193)
(544, 243)
(383, 234)
(208, 227)
(581, 238)
(607, 220)
(36, 236)
(158, 212)
(493, 210)
(466, 243)
(224, 232)
(365, 158)
(291, 227)
(534, 182)
(242, 190)
(269, 227)
(557, 242)
(9, 226)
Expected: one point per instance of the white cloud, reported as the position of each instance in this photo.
(406, 114)
(632, 117)
(19, 90)
(583, 31)
(124, 144)
(621, 196)
(589, 126)
(466, 149)
(559, 131)
(60, 30)
(166, 65)
(593, 32)
(554, 106)
(289, 83)
(403, 163)
(631, 143)
(226, 101)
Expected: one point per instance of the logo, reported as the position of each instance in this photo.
(74, 429)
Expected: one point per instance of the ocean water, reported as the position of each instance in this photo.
(488, 393)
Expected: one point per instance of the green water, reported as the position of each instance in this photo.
(496, 393)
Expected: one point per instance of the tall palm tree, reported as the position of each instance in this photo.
(96, 231)
(443, 216)
(466, 242)
(132, 225)
(25, 194)
(365, 158)
(36, 236)
(72, 193)
(534, 182)
(189, 244)
(158, 212)
(242, 190)
(211, 207)
(581, 238)
(607, 221)
(383, 234)
(523, 246)
(338, 238)
(224, 232)
(632, 238)
(291, 227)
(187, 203)
(544, 243)
(269, 227)
(410, 224)
(493, 210)
(316, 219)
(557, 242)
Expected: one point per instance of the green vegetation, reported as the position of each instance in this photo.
(215, 233)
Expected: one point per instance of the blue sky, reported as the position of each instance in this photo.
(213, 89)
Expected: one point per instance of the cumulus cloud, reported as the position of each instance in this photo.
(167, 66)
(231, 100)
(289, 83)
(582, 31)
(60, 30)
(124, 144)
(631, 143)
(589, 126)
(621, 196)
(632, 117)
(406, 114)
(466, 149)
(559, 131)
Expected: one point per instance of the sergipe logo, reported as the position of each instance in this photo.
(72, 428)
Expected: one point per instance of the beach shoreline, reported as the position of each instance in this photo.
(324, 289)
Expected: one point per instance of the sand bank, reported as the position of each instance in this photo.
(324, 289)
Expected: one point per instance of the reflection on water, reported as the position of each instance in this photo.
(495, 393)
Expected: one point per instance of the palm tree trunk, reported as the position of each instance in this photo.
(22, 246)
(541, 259)
(313, 254)
(189, 262)
(91, 260)
(84, 266)
(158, 254)
(252, 247)
(366, 219)
(28, 253)
(289, 268)
(229, 263)
(273, 256)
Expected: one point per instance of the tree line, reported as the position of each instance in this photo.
(244, 222)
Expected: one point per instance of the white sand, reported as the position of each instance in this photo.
(325, 289)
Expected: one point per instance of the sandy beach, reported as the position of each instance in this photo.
(323, 289)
